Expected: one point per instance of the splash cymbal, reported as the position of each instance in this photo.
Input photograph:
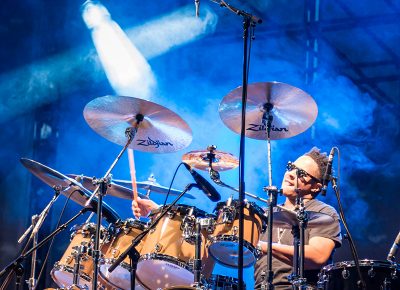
(113, 189)
(293, 111)
(159, 129)
(67, 186)
(220, 161)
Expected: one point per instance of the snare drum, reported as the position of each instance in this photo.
(82, 239)
(225, 240)
(376, 274)
(168, 250)
(125, 232)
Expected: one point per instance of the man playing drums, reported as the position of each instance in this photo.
(303, 179)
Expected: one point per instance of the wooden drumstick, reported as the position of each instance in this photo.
(133, 174)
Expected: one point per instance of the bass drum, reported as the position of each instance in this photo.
(376, 274)
(168, 250)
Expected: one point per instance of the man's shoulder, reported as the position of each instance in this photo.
(320, 206)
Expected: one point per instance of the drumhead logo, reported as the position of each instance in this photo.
(262, 127)
(150, 142)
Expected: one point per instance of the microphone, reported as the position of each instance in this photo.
(328, 172)
(394, 248)
(204, 185)
(197, 4)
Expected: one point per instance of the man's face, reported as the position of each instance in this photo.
(305, 182)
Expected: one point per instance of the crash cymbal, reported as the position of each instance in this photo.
(160, 131)
(287, 219)
(220, 161)
(67, 186)
(151, 185)
(293, 110)
(113, 189)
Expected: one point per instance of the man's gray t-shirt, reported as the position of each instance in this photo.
(284, 236)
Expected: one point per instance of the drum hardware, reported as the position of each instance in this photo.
(188, 227)
(131, 250)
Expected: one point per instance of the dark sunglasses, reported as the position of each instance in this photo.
(300, 172)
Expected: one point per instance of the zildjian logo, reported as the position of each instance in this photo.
(155, 143)
(262, 127)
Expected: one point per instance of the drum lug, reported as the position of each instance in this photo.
(158, 247)
(114, 253)
(235, 230)
(345, 273)
(371, 272)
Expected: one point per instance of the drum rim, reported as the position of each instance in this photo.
(232, 238)
(362, 262)
(68, 269)
(196, 212)
(250, 205)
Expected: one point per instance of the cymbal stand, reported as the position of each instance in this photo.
(249, 22)
(197, 255)
(101, 191)
(272, 196)
(32, 280)
(297, 277)
(132, 252)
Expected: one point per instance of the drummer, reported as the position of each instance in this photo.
(320, 240)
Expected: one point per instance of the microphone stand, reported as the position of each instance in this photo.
(360, 283)
(101, 191)
(16, 265)
(131, 250)
(248, 20)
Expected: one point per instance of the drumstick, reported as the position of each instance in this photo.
(133, 174)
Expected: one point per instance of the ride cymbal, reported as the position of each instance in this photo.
(159, 130)
(67, 186)
(293, 111)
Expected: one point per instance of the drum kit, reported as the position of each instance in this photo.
(180, 244)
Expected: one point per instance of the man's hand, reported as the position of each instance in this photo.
(143, 207)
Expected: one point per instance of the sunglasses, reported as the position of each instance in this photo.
(300, 172)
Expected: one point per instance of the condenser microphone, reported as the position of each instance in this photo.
(394, 248)
(204, 185)
(328, 172)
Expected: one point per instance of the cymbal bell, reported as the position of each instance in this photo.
(287, 219)
(112, 189)
(293, 111)
(202, 159)
(68, 187)
(159, 130)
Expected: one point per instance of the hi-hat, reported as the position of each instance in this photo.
(67, 186)
(112, 189)
(293, 111)
(151, 186)
(287, 219)
(159, 129)
(220, 161)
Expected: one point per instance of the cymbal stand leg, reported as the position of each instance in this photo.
(197, 255)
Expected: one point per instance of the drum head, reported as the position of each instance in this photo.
(168, 274)
(226, 252)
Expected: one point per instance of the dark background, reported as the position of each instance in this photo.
(343, 53)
